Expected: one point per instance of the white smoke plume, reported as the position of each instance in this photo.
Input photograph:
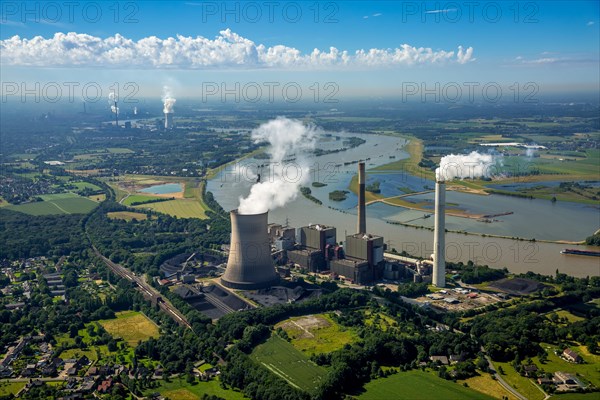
(286, 137)
(458, 166)
(168, 100)
(113, 98)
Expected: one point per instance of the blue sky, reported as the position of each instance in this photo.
(553, 43)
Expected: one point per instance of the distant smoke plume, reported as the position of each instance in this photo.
(112, 100)
(286, 137)
(168, 100)
(458, 166)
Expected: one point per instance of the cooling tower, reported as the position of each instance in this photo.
(362, 217)
(168, 120)
(439, 238)
(250, 265)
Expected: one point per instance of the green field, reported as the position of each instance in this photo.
(282, 359)
(181, 208)
(138, 198)
(131, 326)
(85, 185)
(179, 389)
(8, 388)
(313, 334)
(127, 215)
(64, 203)
(418, 385)
(522, 384)
(576, 396)
(119, 150)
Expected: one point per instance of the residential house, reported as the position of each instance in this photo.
(572, 356)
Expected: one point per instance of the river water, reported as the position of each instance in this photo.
(539, 219)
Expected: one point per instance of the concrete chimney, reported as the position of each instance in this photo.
(362, 217)
(439, 238)
(250, 265)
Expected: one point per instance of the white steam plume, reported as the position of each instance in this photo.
(168, 100)
(113, 98)
(286, 136)
(473, 165)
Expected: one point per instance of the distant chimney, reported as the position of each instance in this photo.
(362, 218)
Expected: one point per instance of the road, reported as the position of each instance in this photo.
(147, 290)
(502, 381)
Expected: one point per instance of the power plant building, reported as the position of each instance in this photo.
(250, 265)
(315, 241)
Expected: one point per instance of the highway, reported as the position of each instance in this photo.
(147, 290)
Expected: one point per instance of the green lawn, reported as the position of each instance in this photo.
(131, 326)
(523, 385)
(323, 336)
(418, 385)
(179, 389)
(8, 388)
(71, 204)
(285, 361)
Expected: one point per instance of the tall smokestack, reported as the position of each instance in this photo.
(116, 114)
(250, 265)
(362, 218)
(439, 238)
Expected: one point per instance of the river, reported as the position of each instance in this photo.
(539, 219)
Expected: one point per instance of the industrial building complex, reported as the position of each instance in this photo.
(360, 258)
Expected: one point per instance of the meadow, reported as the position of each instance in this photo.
(285, 361)
(314, 334)
(179, 389)
(418, 385)
(127, 215)
(131, 326)
(181, 208)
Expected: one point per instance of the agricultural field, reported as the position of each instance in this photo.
(119, 150)
(179, 389)
(285, 361)
(486, 385)
(313, 334)
(97, 197)
(64, 203)
(127, 215)
(181, 208)
(418, 385)
(131, 326)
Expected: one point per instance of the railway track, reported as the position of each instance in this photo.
(147, 290)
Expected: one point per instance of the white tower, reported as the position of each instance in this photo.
(439, 238)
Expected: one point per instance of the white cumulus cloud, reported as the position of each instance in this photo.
(227, 50)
